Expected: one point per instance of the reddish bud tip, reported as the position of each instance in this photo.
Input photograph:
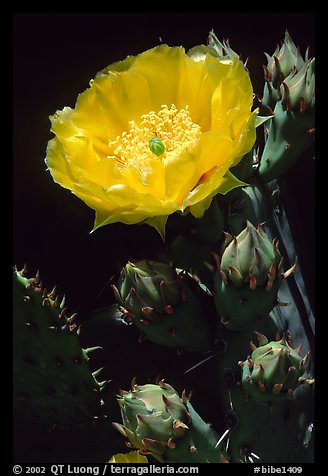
(144, 322)
(252, 282)
(169, 309)
(262, 387)
(252, 346)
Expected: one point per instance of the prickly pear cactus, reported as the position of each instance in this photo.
(268, 400)
(157, 298)
(248, 278)
(157, 421)
(218, 280)
(273, 371)
(290, 96)
(53, 384)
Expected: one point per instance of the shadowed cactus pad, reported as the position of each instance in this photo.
(53, 384)
(158, 299)
(157, 421)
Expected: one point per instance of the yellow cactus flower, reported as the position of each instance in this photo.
(132, 457)
(154, 134)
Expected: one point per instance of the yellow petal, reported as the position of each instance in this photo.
(214, 157)
(148, 180)
(62, 124)
(156, 65)
(198, 209)
(124, 97)
(180, 176)
(118, 66)
(156, 216)
(211, 150)
(132, 457)
(159, 223)
(232, 100)
(195, 88)
(200, 198)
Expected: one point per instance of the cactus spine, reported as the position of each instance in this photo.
(53, 384)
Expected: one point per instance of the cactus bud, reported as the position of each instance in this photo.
(276, 370)
(247, 283)
(158, 299)
(157, 421)
(290, 93)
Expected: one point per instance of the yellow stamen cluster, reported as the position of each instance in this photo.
(173, 127)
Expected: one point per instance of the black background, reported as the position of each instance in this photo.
(54, 57)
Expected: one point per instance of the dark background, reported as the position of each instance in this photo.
(54, 57)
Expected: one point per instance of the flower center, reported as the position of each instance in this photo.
(162, 135)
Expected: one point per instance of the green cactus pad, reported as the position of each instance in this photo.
(273, 371)
(264, 428)
(157, 421)
(238, 307)
(289, 93)
(248, 277)
(53, 384)
(289, 136)
(158, 300)
(281, 434)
